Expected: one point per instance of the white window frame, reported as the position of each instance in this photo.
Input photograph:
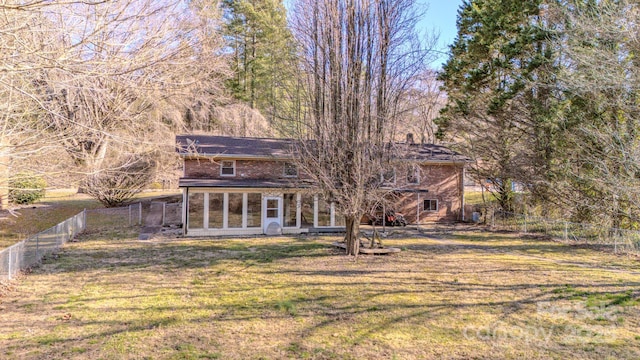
(277, 208)
(424, 208)
(233, 162)
(416, 174)
(389, 183)
(284, 169)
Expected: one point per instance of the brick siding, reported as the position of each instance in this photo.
(443, 182)
(245, 169)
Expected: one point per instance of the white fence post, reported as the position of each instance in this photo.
(139, 213)
(164, 212)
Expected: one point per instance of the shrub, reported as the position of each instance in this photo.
(115, 186)
(26, 188)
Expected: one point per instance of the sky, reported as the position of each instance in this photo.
(441, 16)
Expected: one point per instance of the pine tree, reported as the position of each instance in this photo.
(262, 54)
(498, 79)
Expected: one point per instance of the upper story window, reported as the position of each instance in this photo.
(389, 177)
(290, 169)
(228, 168)
(413, 174)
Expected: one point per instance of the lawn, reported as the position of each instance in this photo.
(54, 208)
(454, 295)
(475, 198)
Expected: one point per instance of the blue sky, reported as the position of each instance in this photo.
(441, 16)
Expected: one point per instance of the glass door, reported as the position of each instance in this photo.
(272, 206)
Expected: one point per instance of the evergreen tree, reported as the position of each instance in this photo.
(545, 93)
(499, 80)
(262, 54)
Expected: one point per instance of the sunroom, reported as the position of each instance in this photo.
(252, 211)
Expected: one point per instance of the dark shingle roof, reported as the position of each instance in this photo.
(246, 147)
(228, 146)
(431, 152)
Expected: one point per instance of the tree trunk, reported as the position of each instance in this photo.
(252, 88)
(351, 238)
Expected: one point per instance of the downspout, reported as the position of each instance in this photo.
(384, 218)
(418, 211)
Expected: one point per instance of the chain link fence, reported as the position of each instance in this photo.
(30, 251)
(619, 240)
(108, 218)
(149, 214)
(173, 214)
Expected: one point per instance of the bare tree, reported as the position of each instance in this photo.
(101, 76)
(421, 106)
(601, 44)
(238, 119)
(361, 57)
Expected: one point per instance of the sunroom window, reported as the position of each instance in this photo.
(196, 211)
(216, 204)
(290, 210)
(234, 210)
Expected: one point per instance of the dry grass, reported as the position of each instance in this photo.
(455, 295)
(54, 208)
(475, 197)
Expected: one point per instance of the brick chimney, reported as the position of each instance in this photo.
(410, 138)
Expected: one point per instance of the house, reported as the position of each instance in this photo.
(248, 186)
